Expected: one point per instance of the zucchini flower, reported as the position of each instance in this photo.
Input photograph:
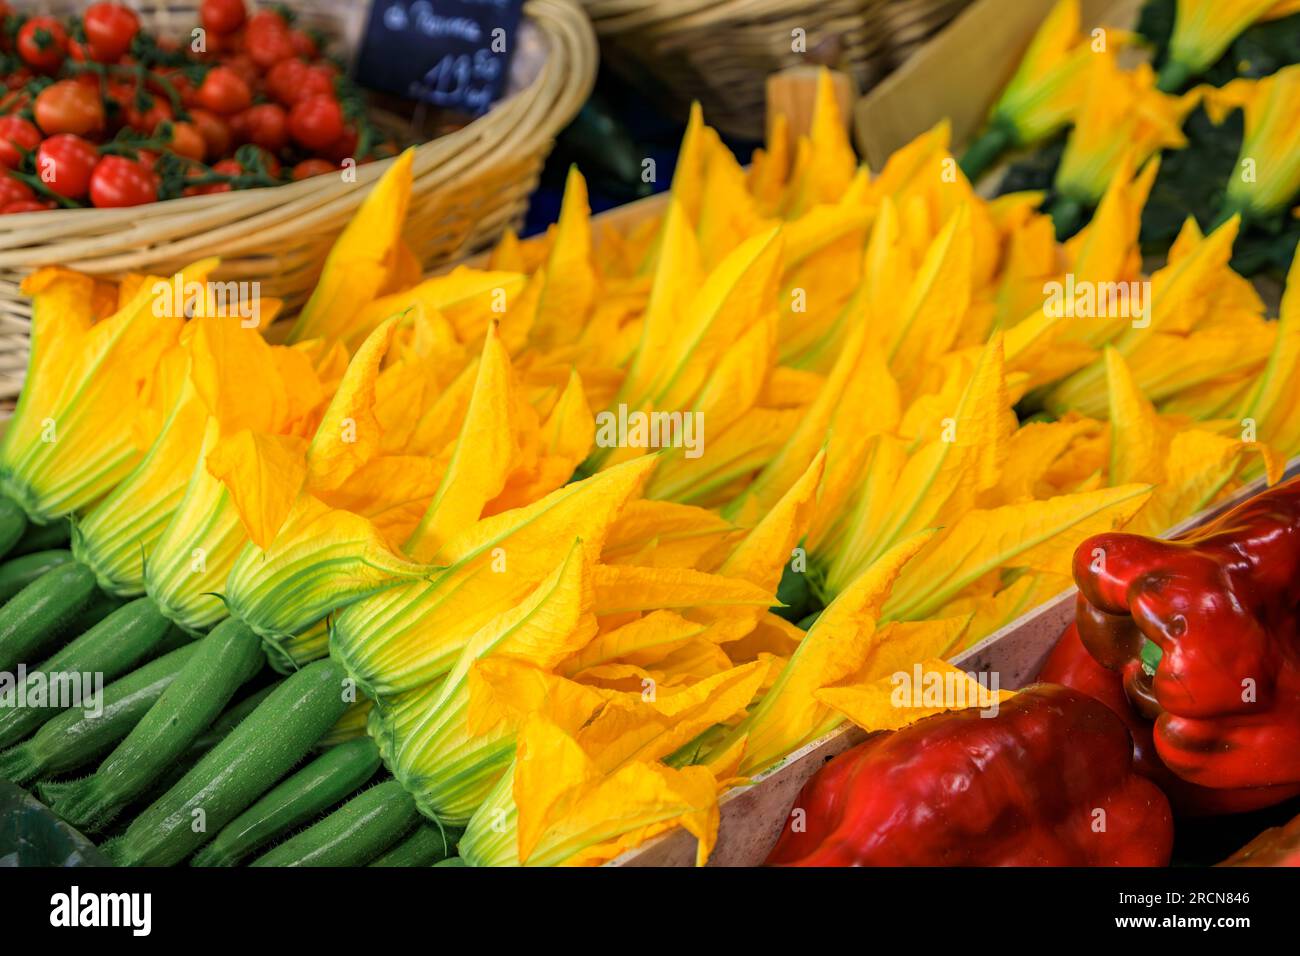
(1122, 113)
(1274, 394)
(308, 552)
(577, 813)
(1203, 30)
(614, 778)
(91, 407)
(1266, 177)
(246, 390)
(116, 535)
(1201, 324)
(1043, 94)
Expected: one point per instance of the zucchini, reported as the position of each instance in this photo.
(73, 739)
(315, 788)
(46, 609)
(42, 537)
(228, 779)
(354, 834)
(109, 649)
(13, 522)
(225, 660)
(451, 861)
(425, 847)
(17, 573)
(228, 721)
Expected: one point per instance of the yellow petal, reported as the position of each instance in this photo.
(1035, 534)
(360, 263)
(789, 715)
(891, 703)
(264, 474)
(481, 459)
(349, 434)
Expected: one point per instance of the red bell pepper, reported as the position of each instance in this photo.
(1048, 781)
(1220, 606)
(1276, 846)
(1070, 664)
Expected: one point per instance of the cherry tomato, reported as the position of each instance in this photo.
(313, 167)
(214, 130)
(222, 16)
(224, 91)
(65, 163)
(188, 141)
(179, 82)
(79, 51)
(43, 43)
(145, 119)
(110, 28)
(229, 167)
(345, 147)
(267, 41)
(224, 44)
(16, 132)
(265, 125)
(303, 44)
(266, 20)
(271, 164)
(316, 122)
(284, 81)
(12, 190)
(25, 205)
(69, 107)
(243, 64)
(118, 181)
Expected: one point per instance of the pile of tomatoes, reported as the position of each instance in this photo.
(95, 111)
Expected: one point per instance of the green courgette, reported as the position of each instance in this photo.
(226, 659)
(228, 779)
(119, 642)
(354, 834)
(230, 718)
(13, 522)
(425, 847)
(17, 573)
(315, 788)
(45, 610)
(42, 537)
(74, 738)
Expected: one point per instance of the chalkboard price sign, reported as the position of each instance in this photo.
(449, 53)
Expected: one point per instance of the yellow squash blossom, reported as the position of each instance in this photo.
(1204, 29)
(211, 371)
(1266, 177)
(1200, 324)
(1044, 93)
(1121, 113)
(90, 407)
(249, 391)
(1268, 412)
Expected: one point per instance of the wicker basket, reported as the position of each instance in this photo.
(469, 184)
(720, 51)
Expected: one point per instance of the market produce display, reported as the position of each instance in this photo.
(576, 541)
(97, 112)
